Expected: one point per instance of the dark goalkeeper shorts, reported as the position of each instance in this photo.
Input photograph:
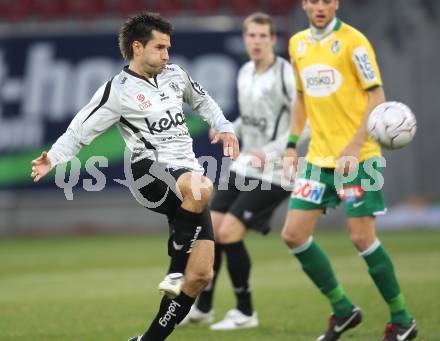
(253, 208)
(158, 190)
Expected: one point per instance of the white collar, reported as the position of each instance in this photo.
(320, 33)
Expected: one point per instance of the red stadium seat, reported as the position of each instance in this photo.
(16, 10)
(244, 7)
(125, 8)
(211, 7)
(87, 9)
(281, 6)
(51, 9)
(167, 7)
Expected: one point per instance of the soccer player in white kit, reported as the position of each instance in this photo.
(145, 102)
(265, 87)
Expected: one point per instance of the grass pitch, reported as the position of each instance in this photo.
(104, 288)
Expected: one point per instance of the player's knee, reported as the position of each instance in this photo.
(197, 189)
(222, 236)
(206, 192)
(231, 230)
(200, 278)
(293, 237)
(360, 241)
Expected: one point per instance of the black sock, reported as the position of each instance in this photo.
(239, 267)
(171, 313)
(186, 228)
(204, 303)
(179, 258)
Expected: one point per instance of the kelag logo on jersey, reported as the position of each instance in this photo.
(260, 123)
(166, 123)
(309, 190)
(321, 80)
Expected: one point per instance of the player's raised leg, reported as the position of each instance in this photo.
(190, 222)
(202, 312)
(193, 231)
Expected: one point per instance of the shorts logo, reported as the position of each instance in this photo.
(247, 215)
(351, 193)
(309, 190)
(196, 235)
(321, 80)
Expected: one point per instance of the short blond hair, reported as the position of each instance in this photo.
(261, 19)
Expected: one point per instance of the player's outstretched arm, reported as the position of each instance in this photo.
(231, 146)
(40, 167)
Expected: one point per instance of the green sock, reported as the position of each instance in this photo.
(381, 270)
(317, 266)
(341, 304)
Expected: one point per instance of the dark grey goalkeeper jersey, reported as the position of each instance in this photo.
(265, 101)
(149, 115)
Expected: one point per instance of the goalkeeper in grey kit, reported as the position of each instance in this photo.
(145, 102)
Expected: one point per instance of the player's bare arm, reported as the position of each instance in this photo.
(376, 96)
(41, 166)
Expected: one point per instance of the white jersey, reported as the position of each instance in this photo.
(149, 115)
(265, 101)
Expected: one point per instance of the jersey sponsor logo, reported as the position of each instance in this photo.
(260, 123)
(363, 64)
(166, 123)
(351, 193)
(171, 312)
(321, 80)
(308, 190)
(144, 104)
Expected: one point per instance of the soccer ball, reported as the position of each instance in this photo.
(392, 125)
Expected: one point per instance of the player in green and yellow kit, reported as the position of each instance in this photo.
(338, 84)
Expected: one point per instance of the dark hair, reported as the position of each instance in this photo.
(259, 18)
(139, 28)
